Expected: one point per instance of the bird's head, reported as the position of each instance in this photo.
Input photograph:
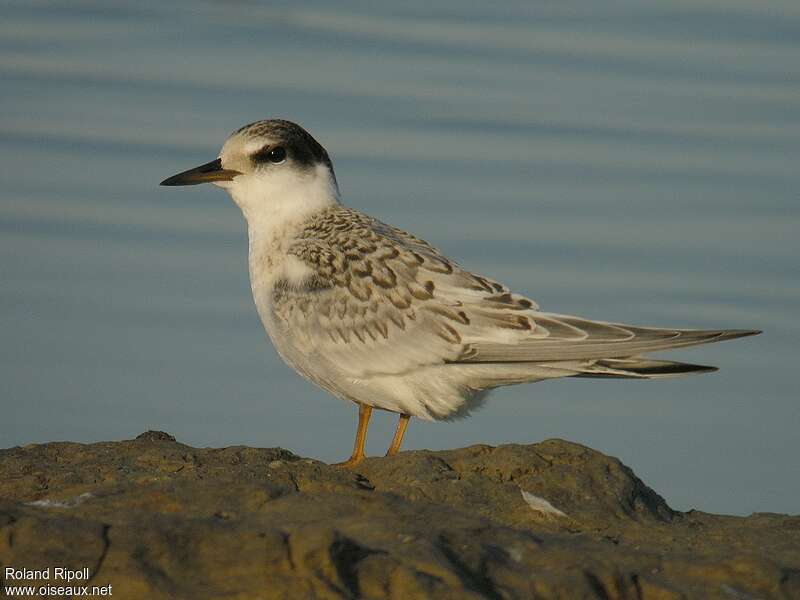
(269, 166)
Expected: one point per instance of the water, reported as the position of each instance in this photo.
(623, 161)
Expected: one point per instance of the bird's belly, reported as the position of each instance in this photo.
(427, 393)
(305, 360)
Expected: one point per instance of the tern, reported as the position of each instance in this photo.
(379, 317)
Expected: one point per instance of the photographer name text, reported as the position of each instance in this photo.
(55, 576)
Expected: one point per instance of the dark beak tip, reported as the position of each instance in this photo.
(176, 180)
(181, 179)
(206, 173)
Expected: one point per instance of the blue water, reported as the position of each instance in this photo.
(625, 161)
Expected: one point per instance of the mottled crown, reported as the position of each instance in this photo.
(305, 150)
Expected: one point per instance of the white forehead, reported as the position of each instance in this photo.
(238, 148)
(238, 144)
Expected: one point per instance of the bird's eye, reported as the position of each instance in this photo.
(277, 155)
(274, 155)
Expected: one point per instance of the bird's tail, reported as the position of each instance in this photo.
(638, 367)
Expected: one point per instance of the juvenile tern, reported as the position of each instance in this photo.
(379, 317)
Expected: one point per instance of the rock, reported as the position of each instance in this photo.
(155, 436)
(155, 519)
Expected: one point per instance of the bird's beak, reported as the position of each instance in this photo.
(206, 173)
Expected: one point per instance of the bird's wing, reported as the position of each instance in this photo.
(382, 301)
(566, 338)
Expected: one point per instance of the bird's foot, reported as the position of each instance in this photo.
(350, 462)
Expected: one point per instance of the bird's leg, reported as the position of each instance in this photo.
(402, 423)
(364, 413)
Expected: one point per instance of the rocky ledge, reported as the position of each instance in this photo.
(154, 518)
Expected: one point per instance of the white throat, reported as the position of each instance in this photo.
(281, 199)
(275, 205)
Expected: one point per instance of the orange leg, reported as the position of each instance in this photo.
(364, 413)
(402, 423)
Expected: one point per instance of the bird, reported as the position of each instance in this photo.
(381, 318)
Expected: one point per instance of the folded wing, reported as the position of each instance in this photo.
(381, 301)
